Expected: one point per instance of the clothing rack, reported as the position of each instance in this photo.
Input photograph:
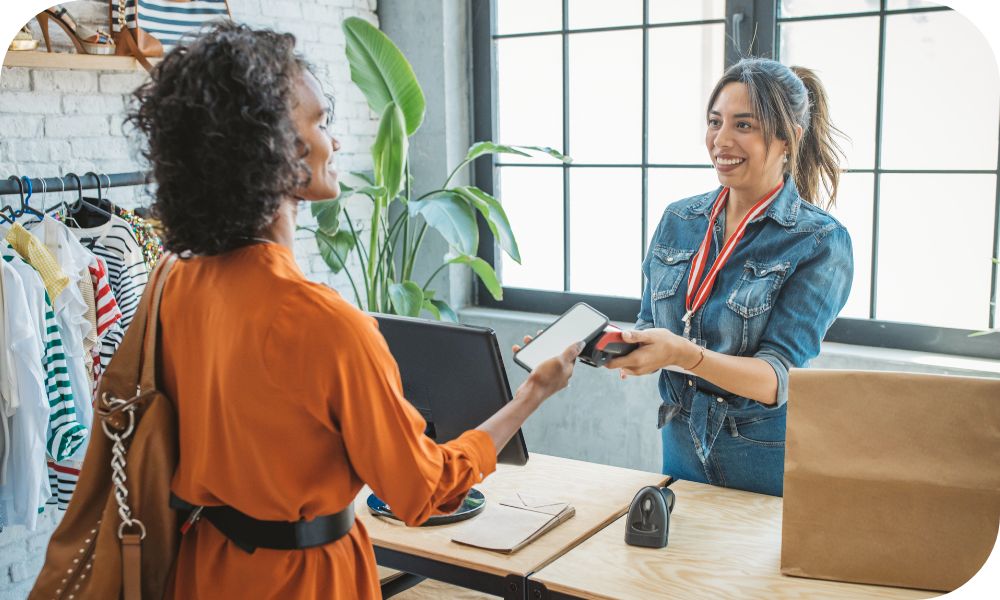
(98, 267)
(69, 184)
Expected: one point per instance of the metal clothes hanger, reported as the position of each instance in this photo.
(62, 208)
(107, 190)
(43, 209)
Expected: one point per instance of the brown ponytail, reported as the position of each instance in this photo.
(783, 98)
(818, 158)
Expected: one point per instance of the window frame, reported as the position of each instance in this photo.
(760, 23)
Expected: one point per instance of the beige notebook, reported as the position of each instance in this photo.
(512, 523)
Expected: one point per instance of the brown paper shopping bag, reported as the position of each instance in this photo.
(890, 478)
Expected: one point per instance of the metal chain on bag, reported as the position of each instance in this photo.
(121, 14)
(118, 463)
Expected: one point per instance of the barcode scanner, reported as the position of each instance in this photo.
(604, 346)
(648, 521)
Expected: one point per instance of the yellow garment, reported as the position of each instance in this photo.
(34, 252)
(86, 286)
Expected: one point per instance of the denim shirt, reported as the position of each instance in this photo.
(774, 299)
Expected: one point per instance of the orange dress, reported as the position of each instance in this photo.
(288, 402)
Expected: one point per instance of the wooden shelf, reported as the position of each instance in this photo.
(67, 60)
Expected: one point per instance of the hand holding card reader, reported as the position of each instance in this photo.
(605, 346)
(581, 322)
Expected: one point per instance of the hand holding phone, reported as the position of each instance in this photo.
(579, 324)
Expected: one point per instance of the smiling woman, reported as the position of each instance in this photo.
(766, 272)
(288, 400)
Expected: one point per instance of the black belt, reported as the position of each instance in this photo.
(249, 533)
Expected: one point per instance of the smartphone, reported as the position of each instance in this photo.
(578, 324)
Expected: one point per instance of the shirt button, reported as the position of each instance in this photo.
(720, 400)
(690, 383)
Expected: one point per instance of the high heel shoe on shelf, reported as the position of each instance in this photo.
(23, 41)
(85, 39)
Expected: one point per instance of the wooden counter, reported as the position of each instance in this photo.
(723, 544)
(600, 494)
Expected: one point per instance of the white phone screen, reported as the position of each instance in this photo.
(576, 325)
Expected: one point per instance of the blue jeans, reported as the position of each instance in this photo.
(748, 453)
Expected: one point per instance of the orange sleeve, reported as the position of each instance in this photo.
(382, 432)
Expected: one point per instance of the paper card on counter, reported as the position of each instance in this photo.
(512, 523)
(535, 503)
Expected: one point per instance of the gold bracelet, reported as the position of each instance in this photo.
(692, 368)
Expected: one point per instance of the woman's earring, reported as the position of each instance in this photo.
(785, 158)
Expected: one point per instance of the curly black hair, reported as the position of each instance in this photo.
(216, 118)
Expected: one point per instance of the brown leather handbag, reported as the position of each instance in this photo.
(119, 537)
(149, 30)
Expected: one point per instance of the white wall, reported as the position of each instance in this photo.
(56, 121)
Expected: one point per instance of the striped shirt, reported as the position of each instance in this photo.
(63, 477)
(65, 434)
(116, 245)
(109, 330)
(25, 488)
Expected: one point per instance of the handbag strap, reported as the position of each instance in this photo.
(147, 377)
(131, 376)
(146, 328)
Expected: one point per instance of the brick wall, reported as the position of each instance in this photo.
(56, 121)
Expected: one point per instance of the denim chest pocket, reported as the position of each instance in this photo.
(667, 270)
(755, 291)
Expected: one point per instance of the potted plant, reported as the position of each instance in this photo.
(388, 250)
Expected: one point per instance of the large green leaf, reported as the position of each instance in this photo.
(372, 191)
(445, 311)
(366, 176)
(407, 298)
(346, 191)
(429, 307)
(495, 216)
(480, 148)
(485, 272)
(327, 215)
(335, 248)
(389, 151)
(452, 216)
(382, 72)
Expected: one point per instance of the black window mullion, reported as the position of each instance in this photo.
(755, 34)
(646, 25)
(484, 81)
(877, 180)
(566, 150)
(645, 133)
(856, 15)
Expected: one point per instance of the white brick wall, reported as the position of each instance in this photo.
(57, 121)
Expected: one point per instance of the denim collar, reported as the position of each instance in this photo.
(784, 210)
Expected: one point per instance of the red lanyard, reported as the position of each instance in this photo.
(698, 294)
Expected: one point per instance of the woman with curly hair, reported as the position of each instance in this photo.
(288, 398)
